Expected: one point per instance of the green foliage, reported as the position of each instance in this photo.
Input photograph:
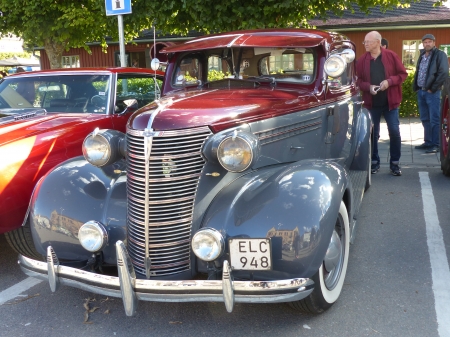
(409, 108)
(215, 75)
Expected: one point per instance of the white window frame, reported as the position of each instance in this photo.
(70, 61)
(411, 52)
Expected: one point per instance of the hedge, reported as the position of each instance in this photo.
(409, 108)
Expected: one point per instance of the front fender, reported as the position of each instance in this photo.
(295, 205)
(72, 194)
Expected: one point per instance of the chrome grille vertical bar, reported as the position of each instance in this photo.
(148, 138)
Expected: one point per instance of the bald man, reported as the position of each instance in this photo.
(380, 76)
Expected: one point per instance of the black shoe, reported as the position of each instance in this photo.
(432, 149)
(374, 168)
(422, 146)
(395, 170)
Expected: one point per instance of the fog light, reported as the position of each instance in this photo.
(208, 244)
(93, 236)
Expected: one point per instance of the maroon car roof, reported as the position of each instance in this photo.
(269, 38)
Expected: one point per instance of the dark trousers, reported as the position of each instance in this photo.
(393, 124)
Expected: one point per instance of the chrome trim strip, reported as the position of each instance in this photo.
(276, 291)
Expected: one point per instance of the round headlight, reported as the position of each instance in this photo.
(235, 154)
(335, 66)
(103, 147)
(93, 236)
(208, 244)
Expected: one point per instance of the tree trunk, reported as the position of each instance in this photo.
(54, 52)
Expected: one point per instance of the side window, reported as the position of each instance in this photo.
(188, 71)
(217, 69)
(145, 89)
(295, 65)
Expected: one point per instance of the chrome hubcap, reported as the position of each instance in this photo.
(333, 260)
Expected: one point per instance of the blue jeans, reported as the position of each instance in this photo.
(429, 110)
(393, 124)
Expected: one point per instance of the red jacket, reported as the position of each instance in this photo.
(395, 74)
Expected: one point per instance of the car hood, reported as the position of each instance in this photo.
(220, 109)
(26, 126)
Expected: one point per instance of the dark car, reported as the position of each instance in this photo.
(44, 118)
(444, 133)
(241, 184)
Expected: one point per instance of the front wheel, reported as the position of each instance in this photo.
(21, 241)
(329, 279)
(444, 131)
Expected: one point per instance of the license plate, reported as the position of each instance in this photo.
(250, 254)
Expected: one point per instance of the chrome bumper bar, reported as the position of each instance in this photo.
(131, 289)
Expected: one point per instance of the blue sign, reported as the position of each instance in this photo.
(116, 7)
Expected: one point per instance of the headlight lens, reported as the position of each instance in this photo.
(93, 236)
(235, 154)
(208, 244)
(96, 149)
(104, 147)
(335, 65)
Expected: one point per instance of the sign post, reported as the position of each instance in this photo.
(119, 7)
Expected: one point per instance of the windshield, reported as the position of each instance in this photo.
(57, 93)
(281, 65)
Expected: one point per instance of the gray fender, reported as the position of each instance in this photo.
(72, 194)
(296, 205)
(362, 145)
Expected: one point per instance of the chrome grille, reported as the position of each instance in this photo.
(175, 167)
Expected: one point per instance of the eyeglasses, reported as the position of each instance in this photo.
(368, 41)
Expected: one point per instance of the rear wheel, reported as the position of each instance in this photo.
(329, 279)
(21, 241)
(444, 130)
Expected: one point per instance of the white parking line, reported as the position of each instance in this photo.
(16, 290)
(440, 272)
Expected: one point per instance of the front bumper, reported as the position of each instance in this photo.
(131, 289)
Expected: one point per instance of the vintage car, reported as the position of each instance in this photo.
(44, 118)
(241, 184)
(444, 133)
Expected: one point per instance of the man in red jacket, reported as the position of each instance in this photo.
(380, 76)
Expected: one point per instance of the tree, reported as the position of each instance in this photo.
(62, 24)
(58, 25)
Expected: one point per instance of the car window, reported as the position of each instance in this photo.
(295, 65)
(188, 71)
(57, 93)
(144, 88)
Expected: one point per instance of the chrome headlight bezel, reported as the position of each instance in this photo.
(214, 251)
(104, 147)
(93, 236)
(237, 151)
(335, 66)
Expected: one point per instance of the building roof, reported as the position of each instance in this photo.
(418, 13)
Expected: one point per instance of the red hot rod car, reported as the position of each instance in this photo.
(241, 184)
(44, 118)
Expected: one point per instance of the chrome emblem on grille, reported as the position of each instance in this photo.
(168, 166)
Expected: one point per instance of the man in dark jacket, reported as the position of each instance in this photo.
(380, 76)
(431, 72)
